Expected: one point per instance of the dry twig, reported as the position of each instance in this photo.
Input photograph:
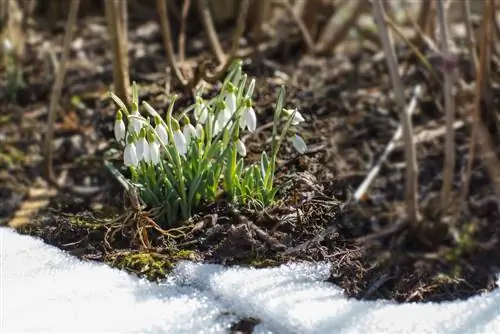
(479, 130)
(363, 188)
(411, 186)
(208, 24)
(182, 33)
(449, 105)
(116, 15)
(57, 88)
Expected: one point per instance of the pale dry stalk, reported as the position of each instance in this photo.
(449, 106)
(208, 25)
(411, 185)
(479, 130)
(161, 6)
(57, 88)
(116, 16)
(333, 33)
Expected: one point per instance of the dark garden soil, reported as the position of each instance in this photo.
(350, 118)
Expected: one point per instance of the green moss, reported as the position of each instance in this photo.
(152, 266)
(264, 263)
(85, 221)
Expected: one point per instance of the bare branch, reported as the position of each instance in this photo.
(182, 33)
(57, 88)
(161, 5)
(208, 24)
(449, 105)
(411, 186)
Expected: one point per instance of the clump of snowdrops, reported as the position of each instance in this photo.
(177, 163)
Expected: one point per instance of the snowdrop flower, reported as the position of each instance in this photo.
(119, 127)
(135, 123)
(240, 148)
(248, 118)
(130, 154)
(154, 152)
(179, 140)
(199, 131)
(142, 148)
(200, 111)
(7, 45)
(161, 130)
(230, 99)
(223, 118)
(299, 144)
(189, 132)
(297, 119)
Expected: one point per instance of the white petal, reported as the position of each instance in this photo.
(136, 124)
(119, 130)
(199, 130)
(154, 152)
(201, 113)
(299, 144)
(142, 149)
(162, 133)
(180, 142)
(189, 132)
(130, 155)
(240, 147)
(248, 119)
(230, 100)
(298, 118)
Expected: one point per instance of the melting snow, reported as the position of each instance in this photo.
(43, 289)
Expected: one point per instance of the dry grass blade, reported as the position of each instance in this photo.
(116, 15)
(449, 105)
(56, 90)
(411, 185)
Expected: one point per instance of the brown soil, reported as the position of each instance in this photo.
(347, 102)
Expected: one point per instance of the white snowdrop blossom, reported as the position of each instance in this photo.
(299, 144)
(7, 45)
(154, 152)
(248, 119)
(189, 132)
(297, 118)
(162, 132)
(230, 100)
(240, 148)
(136, 124)
(180, 142)
(200, 111)
(130, 155)
(142, 147)
(119, 128)
(223, 118)
(199, 131)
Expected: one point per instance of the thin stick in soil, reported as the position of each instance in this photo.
(360, 193)
(213, 38)
(479, 130)
(333, 34)
(57, 88)
(405, 119)
(182, 33)
(161, 6)
(449, 105)
(116, 16)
